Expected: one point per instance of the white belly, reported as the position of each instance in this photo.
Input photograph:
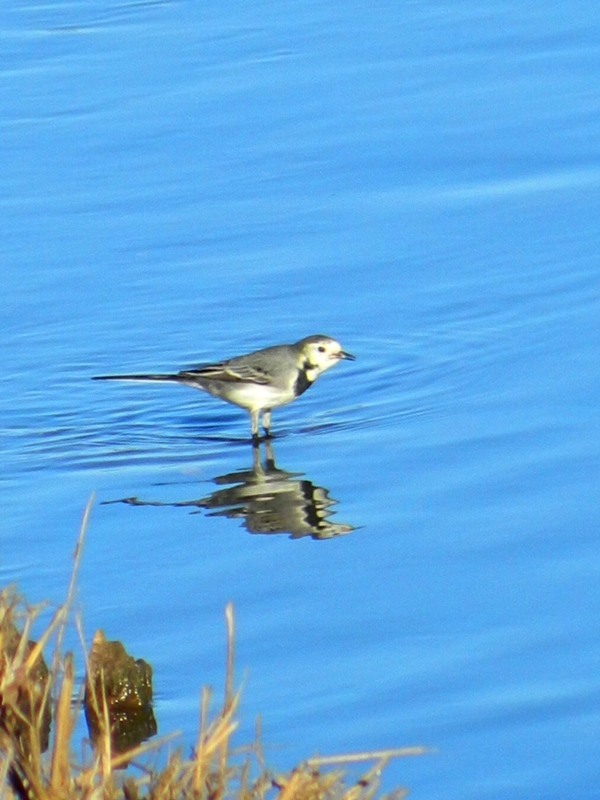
(252, 396)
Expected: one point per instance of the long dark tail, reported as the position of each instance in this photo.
(176, 378)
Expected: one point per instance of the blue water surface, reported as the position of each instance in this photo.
(184, 182)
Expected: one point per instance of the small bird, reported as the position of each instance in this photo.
(259, 381)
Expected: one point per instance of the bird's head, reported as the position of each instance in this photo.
(320, 353)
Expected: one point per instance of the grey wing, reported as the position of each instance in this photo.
(228, 371)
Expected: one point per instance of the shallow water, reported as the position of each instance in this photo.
(182, 184)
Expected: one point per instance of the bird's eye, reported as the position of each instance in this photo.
(321, 349)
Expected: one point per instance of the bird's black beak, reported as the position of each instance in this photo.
(347, 356)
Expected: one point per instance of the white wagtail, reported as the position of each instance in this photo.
(259, 381)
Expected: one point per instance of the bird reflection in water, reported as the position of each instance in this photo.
(268, 500)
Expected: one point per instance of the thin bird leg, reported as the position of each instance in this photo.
(267, 422)
(270, 461)
(254, 415)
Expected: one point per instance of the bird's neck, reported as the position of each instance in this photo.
(306, 377)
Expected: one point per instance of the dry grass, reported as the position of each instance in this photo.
(29, 693)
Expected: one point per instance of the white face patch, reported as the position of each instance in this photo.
(321, 356)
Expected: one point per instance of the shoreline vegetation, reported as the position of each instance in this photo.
(38, 718)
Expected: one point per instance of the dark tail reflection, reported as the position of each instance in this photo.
(268, 500)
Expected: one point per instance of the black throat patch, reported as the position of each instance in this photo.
(302, 381)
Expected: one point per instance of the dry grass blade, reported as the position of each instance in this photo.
(77, 555)
(64, 725)
(230, 621)
(201, 765)
(371, 755)
(142, 750)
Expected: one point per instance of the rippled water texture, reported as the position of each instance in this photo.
(415, 560)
